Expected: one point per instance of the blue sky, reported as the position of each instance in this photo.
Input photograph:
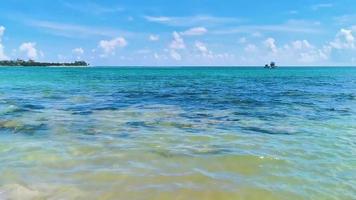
(185, 32)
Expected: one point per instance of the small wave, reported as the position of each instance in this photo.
(16, 191)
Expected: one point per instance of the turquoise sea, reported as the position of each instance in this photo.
(178, 133)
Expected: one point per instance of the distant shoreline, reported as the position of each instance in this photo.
(32, 63)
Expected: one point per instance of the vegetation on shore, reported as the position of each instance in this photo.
(30, 63)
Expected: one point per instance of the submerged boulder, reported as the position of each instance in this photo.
(18, 126)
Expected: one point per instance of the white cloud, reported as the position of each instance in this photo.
(187, 21)
(299, 52)
(2, 53)
(291, 26)
(60, 57)
(177, 42)
(301, 44)
(94, 8)
(156, 56)
(209, 57)
(29, 48)
(201, 47)
(322, 5)
(293, 12)
(195, 31)
(161, 57)
(2, 31)
(250, 48)
(158, 19)
(153, 37)
(270, 43)
(345, 19)
(242, 40)
(256, 34)
(344, 40)
(205, 52)
(347, 34)
(75, 30)
(78, 51)
(175, 55)
(109, 46)
(302, 52)
(309, 57)
(41, 54)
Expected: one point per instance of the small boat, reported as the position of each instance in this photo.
(272, 65)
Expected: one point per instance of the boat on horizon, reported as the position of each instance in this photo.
(272, 65)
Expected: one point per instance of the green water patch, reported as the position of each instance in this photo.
(269, 131)
(15, 126)
(11, 110)
(172, 124)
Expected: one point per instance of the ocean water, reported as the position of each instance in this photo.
(178, 133)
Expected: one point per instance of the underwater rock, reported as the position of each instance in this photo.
(33, 107)
(18, 126)
(11, 109)
(11, 124)
(170, 124)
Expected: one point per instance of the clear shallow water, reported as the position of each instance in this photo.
(182, 133)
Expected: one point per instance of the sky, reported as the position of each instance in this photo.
(180, 33)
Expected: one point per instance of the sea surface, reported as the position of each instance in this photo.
(178, 133)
